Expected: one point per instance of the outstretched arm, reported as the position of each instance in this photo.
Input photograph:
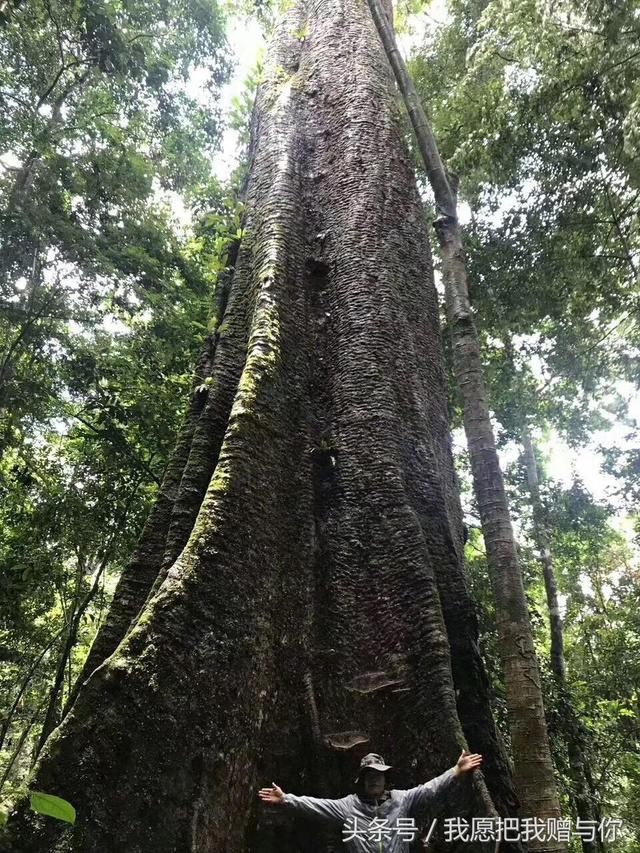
(422, 795)
(330, 811)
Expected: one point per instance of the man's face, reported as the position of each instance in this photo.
(373, 782)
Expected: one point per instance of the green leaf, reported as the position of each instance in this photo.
(48, 804)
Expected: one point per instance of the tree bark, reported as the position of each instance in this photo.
(534, 774)
(301, 622)
(142, 570)
(558, 665)
(181, 492)
(573, 728)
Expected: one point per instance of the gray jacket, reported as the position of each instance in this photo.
(381, 826)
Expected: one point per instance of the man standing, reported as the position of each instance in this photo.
(375, 819)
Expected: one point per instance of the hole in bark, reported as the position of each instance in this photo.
(323, 463)
(318, 273)
(371, 682)
(346, 740)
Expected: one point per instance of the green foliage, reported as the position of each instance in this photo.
(48, 804)
(533, 107)
(242, 104)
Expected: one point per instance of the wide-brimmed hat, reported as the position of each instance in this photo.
(372, 761)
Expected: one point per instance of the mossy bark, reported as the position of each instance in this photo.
(182, 489)
(299, 622)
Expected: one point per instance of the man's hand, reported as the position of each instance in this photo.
(468, 762)
(273, 795)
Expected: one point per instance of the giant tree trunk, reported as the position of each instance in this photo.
(534, 773)
(318, 608)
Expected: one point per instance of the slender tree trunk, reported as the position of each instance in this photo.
(535, 781)
(573, 727)
(20, 744)
(558, 666)
(106, 558)
(26, 680)
(72, 617)
(302, 622)
(53, 703)
(11, 355)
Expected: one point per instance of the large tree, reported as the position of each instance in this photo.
(299, 593)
